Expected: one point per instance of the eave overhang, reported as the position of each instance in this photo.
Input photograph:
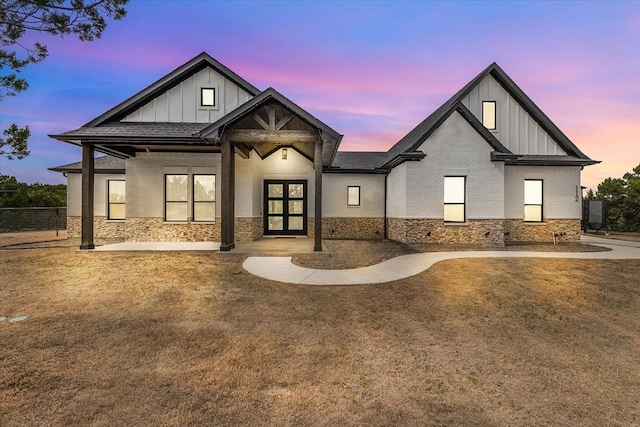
(533, 160)
(376, 171)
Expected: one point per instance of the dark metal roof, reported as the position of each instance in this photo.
(417, 135)
(101, 164)
(167, 82)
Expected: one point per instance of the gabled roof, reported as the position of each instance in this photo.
(331, 138)
(412, 141)
(134, 131)
(358, 162)
(104, 164)
(416, 136)
(167, 82)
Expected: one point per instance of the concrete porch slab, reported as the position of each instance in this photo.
(159, 246)
(263, 247)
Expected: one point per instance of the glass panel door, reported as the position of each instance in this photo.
(285, 207)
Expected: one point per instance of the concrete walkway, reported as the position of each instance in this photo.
(282, 270)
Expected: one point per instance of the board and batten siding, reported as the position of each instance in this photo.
(182, 102)
(455, 149)
(334, 195)
(515, 128)
(561, 192)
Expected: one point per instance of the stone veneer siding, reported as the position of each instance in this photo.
(102, 228)
(248, 229)
(156, 230)
(399, 229)
(516, 230)
(488, 232)
(352, 228)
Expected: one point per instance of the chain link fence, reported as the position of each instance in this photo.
(32, 219)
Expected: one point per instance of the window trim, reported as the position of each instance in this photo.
(353, 205)
(541, 181)
(109, 203)
(495, 115)
(202, 104)
(194, 201)
(166, 202)
(464, 202)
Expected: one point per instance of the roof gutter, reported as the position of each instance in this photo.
(404, 157)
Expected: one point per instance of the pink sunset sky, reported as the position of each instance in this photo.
(370, 70)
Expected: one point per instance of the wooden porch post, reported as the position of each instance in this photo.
(317, 163)
(228, 188)
(86, 236)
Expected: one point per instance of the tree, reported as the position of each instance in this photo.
(623, 200)
(590, 195)
(15, 194)
(631, 206)
(83, 18)
(612, 190)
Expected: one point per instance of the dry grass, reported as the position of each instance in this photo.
(343, 254)
(24, 237)
(628, 236)
(192, 339)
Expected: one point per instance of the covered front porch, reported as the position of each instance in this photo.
(245, 142)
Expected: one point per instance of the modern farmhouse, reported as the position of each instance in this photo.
(203, 155)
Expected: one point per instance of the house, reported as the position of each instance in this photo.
(203, 155)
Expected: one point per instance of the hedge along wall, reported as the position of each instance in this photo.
(28, 219)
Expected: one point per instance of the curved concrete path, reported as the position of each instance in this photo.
(282, 270)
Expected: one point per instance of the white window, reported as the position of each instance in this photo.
(204, 198)
(176, 197)
(353, 195)
(454, 198)
(533, 200)
(116, 201)
(208, 97)
(489, 114)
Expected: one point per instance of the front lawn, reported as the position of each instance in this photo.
(192, 339)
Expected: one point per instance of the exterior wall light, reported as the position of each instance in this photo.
(284, 154)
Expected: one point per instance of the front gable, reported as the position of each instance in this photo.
(527, 135)
(271, 121)
(515, 128)
(165, 99)
(183, 102)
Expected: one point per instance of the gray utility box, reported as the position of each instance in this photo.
(594, 215)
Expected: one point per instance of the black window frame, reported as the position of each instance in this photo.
(495, 115)
(194, 201)
(541, 181)
(166, 202)
(359, 194)
(464, 202)
(202, 104)
(110, 203)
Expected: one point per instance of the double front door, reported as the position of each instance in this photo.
(285, 207)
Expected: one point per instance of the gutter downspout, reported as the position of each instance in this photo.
(386, 236)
